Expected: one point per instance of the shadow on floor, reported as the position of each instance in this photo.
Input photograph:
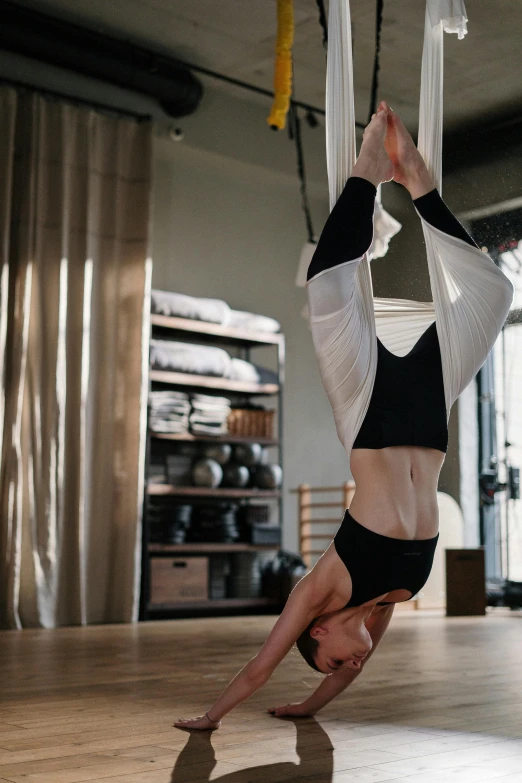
(312, 743)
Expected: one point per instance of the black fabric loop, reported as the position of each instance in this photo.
(322, 22)
(376, 61)
(294, 132)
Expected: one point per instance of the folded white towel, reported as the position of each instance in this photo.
(189, 358)
(238, 319)
(183, 306)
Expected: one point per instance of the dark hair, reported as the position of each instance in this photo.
(308, 646)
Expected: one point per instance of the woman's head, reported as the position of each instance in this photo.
(338, 640)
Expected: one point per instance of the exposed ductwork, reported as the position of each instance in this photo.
(85, 51)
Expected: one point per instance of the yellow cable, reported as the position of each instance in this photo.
(283, 64)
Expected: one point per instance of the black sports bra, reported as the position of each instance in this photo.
(379, 564)
(407, 406)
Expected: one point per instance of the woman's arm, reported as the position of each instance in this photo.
(334, 684)
(299, 611)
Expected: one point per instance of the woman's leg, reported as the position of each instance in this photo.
(348, 232)
(339, 298)
(433, 209)
(472, 296)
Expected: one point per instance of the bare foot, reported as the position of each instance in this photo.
(409, 168)
(373, 162)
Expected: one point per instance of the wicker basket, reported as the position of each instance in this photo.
(245, 423)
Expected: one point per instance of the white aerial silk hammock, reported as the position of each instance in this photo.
(471, 295)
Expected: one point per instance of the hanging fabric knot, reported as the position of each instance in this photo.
(294, 133)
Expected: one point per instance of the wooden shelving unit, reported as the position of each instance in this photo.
(223, 333)
(167, 327)
(218, 603)
(210, 548)
(210, 382)
(188, 438)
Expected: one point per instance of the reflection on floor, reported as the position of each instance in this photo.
(440, 701)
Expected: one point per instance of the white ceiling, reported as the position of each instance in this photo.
(236, 38)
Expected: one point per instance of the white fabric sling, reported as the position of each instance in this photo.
(471, 295)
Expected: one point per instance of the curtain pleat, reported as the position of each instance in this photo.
(75, 218)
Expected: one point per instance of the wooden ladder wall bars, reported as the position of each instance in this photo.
(316, 534)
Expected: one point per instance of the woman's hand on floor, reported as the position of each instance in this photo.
(291, 710)
(200, 724)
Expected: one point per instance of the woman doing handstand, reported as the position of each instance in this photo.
(383, 552)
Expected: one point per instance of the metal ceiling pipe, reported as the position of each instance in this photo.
(66, 45)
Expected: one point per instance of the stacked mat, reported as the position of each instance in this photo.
(169, 521)
(180, 413)
(245, 575)
(209, 415)
(216, 523)
(219, 571)
(169, 411)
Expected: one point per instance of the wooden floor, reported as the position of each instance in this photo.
(440, 701)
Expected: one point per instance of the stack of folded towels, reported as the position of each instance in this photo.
(189, 358)
(178, 412)
(169, 411)
(209, 415)
(198, 359)
(211, 310)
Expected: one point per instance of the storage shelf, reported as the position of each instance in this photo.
(211, 548)
(211, 603)
(211, 382)
(220, 492)
(240, 342)
(233, 439)
(215, 330)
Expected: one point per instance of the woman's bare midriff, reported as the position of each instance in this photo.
(396, 490)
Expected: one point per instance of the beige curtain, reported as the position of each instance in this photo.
(75, 274)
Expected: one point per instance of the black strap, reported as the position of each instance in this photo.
(294, 132)
(322, 22)
(376, 60)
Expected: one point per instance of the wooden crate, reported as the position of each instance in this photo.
(178, 579)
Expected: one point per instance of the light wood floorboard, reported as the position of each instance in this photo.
(440, 701)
